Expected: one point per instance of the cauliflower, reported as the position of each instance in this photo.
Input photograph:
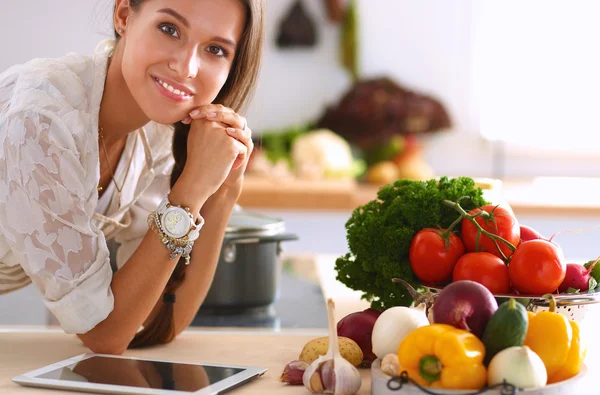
(323, 154)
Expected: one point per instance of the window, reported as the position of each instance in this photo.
(536, 74)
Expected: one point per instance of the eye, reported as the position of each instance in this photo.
(217, 51)
(169, 30)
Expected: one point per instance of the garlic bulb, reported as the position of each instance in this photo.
(519, 366)
(331, 373)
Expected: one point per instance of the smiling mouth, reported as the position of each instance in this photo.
(173, 90)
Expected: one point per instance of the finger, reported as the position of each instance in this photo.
(231, 119)
(209, 109)
(243, 140)
(187, 121)
(242, 154)
(245, 136)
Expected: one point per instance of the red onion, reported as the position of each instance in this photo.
(465, 305)
(359, 327)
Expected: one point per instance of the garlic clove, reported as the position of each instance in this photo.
(312, 376)
(347, 377)
(390, 365)
(293, 372)
(316, 385)
(328, 375)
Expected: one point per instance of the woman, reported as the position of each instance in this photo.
(88, 153)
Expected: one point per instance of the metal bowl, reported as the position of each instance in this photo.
(580, 384)
(576, 307)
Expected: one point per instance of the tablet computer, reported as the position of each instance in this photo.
(111, 374)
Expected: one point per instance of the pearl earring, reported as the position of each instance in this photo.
(121, 31)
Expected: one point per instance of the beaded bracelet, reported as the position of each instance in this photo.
(181, 247)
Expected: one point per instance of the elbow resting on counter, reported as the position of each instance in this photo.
(103, 346)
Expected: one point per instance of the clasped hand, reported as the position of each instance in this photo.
(219, 133)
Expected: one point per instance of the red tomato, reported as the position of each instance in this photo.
(433, 255)
(537, 267)
(500, 222)
(485, 269)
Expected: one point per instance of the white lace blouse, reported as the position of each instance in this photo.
(52, 232)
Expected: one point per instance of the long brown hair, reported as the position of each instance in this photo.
(237, 89)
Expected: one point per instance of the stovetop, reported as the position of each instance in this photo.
(300, 305)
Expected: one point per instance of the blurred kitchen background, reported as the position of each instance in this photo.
(356, 94)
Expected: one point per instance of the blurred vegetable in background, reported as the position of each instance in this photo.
(374, 112)
(304, 153)
(349, 41)
(323, 154)
(277, 144)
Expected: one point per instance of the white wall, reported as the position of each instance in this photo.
(295, 85)
(39, 28)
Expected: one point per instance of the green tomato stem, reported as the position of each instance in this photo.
(446, 233)
(456, 222)
(480, 230)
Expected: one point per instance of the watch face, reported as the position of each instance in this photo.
(176, 222)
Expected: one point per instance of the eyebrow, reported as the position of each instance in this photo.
(185, 22)
(175, 15)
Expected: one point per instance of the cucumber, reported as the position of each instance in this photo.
(506, 328)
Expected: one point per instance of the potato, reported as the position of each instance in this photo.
(319, 346)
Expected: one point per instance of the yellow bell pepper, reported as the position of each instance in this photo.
(556, 340)
(442, 356)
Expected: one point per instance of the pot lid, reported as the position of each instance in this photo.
(242, 221)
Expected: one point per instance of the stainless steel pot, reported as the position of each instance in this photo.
(249, 268)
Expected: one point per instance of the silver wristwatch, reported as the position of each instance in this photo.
(177, 222)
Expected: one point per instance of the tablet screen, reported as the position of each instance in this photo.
(142, 373)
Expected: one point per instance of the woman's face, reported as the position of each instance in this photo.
(178, 53)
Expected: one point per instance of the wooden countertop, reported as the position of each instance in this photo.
(27, 348)
(544, 196)
(26, 351)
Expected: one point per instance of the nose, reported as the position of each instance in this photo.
(186, 63)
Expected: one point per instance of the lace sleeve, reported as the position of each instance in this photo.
(46, 209)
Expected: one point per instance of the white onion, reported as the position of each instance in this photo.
(519, 366)
(393, 325)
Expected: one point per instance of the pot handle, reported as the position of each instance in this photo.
(229, 250)
(262, 239)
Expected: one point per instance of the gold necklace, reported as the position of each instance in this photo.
(101, 131)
